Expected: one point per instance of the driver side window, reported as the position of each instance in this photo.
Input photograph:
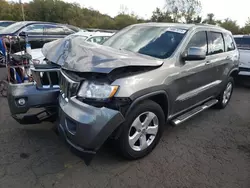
(199, 40)
(34, 29)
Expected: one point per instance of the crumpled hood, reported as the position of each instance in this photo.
(74, 53)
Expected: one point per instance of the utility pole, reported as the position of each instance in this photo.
(20, 1)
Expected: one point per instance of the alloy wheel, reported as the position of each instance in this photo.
(143, 131)
(227, 93)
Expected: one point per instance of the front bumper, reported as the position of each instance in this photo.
(244, 71)
(34, 98)
(86, 127)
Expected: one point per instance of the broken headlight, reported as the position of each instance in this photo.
(93, 90)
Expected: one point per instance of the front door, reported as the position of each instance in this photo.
(35, 35)
(195, 78)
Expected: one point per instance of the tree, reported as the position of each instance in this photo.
(123, 20)
(198, 19)
(160, 16)
(186, 11)
(230, 25)
(191, 10)
(183, 10)
(246, 28)
(210, 19)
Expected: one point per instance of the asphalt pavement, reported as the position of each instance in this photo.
(210, 150)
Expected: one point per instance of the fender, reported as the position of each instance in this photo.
(232, 70)
(146, 96)
(139, 97)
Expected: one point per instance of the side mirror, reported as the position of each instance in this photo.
(194, 54)
(23, 34)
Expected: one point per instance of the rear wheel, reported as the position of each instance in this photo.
(226, 94)
(142, 130)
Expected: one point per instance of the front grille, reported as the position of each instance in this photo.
(46, 78)
(55, 79)
(68, 87)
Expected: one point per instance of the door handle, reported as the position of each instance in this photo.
(208, 62)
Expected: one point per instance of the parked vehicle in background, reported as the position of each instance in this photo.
(101, 30)
(38, 33)
(5, 23)
(243, 45)
(96, 37)
(127, 89)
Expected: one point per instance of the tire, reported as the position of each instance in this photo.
(144, 109)
(222, 103)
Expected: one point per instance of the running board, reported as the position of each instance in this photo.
(195, 111)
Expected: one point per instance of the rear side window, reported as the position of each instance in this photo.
(243, 43)
(216, 43)
(199, 39)
(229, 43)
(68, 31)
(34, 29)
(54, 30)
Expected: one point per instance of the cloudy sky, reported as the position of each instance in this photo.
(235, 9)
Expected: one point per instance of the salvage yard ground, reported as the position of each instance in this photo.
(211, 150)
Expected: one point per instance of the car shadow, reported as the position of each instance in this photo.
(47, 141)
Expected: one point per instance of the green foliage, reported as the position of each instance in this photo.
(210, 19)
(186, 11)
(230, 25)
(123, 20)
(246, 28)
(63, 12)
(183, 11)
(160, 16)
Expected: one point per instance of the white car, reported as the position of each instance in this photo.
(243, 45)
(96, 37)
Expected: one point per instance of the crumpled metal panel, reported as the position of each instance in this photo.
(75, 54)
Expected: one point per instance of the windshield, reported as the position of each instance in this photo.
(5, 24)
(13, 28)
(243, 43)
(155, 41)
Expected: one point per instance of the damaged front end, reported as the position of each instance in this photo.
(80, 89)
(35, 102)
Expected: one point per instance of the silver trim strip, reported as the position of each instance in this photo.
(66, 84)
(197, 91)
(194, 112)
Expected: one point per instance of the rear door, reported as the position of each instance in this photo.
(217, 60)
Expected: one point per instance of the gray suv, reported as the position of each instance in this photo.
(129, 88)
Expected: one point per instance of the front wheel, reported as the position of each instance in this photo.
(226, 94)
(142, 130)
